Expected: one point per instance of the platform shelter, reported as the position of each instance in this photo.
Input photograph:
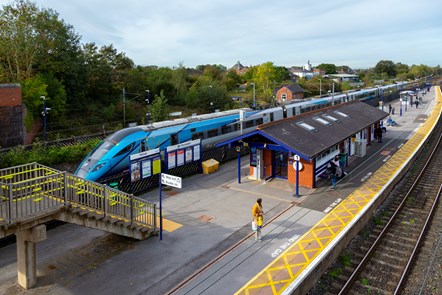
(309, 141)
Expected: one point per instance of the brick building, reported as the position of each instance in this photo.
(11, 116)
(289, 92)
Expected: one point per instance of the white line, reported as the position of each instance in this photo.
(367, 176)
(386, 158)
(334, 204)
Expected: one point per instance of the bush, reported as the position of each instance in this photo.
(47, 156)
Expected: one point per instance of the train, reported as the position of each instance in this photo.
(111, 156)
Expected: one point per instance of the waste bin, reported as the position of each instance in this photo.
(210, 166)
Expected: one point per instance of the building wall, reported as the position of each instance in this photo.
(11, 116)
(306, 175)
(289, 93)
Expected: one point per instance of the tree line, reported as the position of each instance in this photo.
(84, 84)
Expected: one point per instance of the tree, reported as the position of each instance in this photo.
(328, 68)
(264, 77)
(159, 109)
(385, 67)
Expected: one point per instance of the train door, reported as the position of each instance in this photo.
(174, 139)
(279, 164)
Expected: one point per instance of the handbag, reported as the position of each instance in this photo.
(259, 223)
(254, 226)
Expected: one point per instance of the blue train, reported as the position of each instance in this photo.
(112, 154)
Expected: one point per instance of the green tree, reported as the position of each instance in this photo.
(385, 67)
(264, 77)
(159, 109)
(328, 68)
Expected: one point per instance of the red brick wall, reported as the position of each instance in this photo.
(11, 116)
(306, 175)
(10, 95)
(289, 93)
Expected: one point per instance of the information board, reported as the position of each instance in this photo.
(141, 164)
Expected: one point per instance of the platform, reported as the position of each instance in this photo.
(211, 214)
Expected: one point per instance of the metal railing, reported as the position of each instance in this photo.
(32, 189)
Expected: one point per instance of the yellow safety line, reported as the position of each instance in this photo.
(282, 271)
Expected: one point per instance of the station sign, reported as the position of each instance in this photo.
(183, 153)
(145, 164)
(171, 180)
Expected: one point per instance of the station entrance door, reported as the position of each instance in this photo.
(280, 160)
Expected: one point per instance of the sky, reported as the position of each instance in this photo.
(356, 33)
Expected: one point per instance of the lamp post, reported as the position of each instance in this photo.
(44, 117)
(211, 100)
(382, 97)
(124, 108)
(333, 94)
(320, 87)
(400, 107)
(254, 99)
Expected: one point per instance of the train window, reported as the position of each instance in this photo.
(197, 135)
(259, 121)
(212, 133)
(226, 129)
(174, 139)
(125, 150)
(143, 146)
(249, 124)
(271, 117)
(192, 129)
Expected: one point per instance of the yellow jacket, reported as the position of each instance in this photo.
(256, 211)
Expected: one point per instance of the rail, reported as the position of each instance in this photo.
(32, 189)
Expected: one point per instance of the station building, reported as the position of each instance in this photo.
(309, 141)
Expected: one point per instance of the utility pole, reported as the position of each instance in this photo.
(124, 109)
(333, 94)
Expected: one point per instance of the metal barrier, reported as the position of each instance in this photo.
(32, 189)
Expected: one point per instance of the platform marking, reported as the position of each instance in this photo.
(284, 246)
(399, 146)
(386, 158)
(333, 205)
(366, 176)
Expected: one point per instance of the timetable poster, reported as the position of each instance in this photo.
(135, 172)
(196, 152)
(146, 168)
(156, 165)
(180, 157)
(171, 162)
(188, 154)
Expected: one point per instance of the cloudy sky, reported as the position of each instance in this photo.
(357, 33)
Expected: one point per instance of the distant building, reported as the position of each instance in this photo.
(239, 68)
(11, 116)
(289, 92)
(353, 80)
(306, 71)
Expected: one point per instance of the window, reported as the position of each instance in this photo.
(212, 133)
(342, 114)
(284, 97)
(174, 139)
(331, 118)
(192, 130)
(124, 151)
(226, 129)
(271, 117)
(259, 121)
(322, 121)
(306, 126)
(197, 135)
(249, 124)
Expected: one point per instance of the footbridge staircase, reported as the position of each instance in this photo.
(33, 194)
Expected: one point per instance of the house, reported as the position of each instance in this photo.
(306, 71)
(289, 92)
(239, 68)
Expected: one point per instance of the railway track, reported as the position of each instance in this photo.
(382, 261)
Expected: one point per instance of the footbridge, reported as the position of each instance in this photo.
(33, 194)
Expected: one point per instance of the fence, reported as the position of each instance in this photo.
(32, 189)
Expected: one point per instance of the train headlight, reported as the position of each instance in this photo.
(98, 167)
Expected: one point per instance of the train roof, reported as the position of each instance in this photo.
(180, 121)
